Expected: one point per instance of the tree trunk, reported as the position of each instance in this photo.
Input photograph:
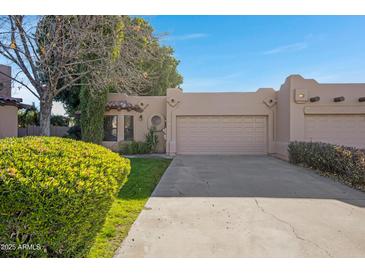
(45, 116)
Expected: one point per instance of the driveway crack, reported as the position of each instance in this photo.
(292, 228)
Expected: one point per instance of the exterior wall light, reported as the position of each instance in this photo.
(362, 99)
(338, 99)
(314, 99)
(301, 96)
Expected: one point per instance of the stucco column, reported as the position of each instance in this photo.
(173, 100)
(120, 128)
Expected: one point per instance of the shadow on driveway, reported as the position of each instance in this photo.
(249, 176)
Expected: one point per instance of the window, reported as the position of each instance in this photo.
(156, 120)
(110, 128)
(128, 128)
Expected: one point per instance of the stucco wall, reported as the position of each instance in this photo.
(285, 113)
(326, 92)
(237, 103)
(8, 121)
(283, 119)
(295, 130)
(151, 104)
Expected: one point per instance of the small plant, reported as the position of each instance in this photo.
(148, 146)
(151, 140)
(137, 148)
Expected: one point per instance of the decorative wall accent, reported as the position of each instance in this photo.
(143, 105)
(338, 99)
(314, 99)
(270, 102)
(172, 102)
(157, 121)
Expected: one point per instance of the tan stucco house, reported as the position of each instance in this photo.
(8, 105)
(261, 122)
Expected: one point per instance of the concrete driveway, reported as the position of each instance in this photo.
(247, 206)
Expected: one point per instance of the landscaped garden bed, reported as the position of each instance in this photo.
(344, 163)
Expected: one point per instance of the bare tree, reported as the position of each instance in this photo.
(57, 52)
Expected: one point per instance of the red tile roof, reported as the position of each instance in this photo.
(123, 105)
(11, 101)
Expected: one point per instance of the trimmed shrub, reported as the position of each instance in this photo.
(347, 163)
(55, 194)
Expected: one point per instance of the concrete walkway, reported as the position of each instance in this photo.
(247, 206)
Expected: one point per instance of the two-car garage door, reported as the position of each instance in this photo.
(346, 130)
(248, 134)
(221, 135)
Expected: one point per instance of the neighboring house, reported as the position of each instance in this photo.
(8, 105)
(261, 122)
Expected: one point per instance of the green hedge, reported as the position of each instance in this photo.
(347, 163)
(55, 194)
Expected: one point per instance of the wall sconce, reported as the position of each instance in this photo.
(140, 117)
(362, 99)
(338, 99)
(301, 96)
(314, 99)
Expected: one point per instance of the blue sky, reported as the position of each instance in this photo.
(244, 53)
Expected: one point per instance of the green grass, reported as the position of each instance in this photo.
(145, 175)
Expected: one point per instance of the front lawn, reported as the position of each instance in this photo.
(145, 175)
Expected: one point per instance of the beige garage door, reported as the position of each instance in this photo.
(337, 129)
(221, 135)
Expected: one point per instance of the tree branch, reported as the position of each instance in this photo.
(20, 60)
(19, 25)
(21, 83)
